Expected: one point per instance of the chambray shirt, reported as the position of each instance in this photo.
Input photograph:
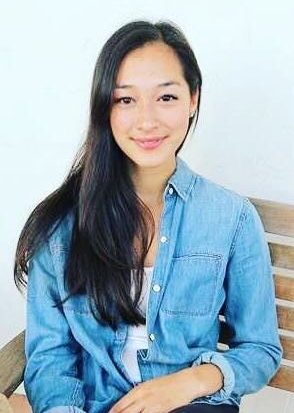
(212, 255)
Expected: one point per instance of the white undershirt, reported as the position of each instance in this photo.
(137, 336)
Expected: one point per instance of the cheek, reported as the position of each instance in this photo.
(179, 120)
(120, 123)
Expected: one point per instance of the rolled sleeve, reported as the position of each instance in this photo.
(218, 360)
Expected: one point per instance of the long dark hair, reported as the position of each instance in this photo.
(99, 193)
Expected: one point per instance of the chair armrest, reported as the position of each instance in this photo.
(12, 364)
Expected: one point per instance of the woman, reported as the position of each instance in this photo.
(133, 258)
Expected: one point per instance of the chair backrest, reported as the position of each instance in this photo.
(278, 221)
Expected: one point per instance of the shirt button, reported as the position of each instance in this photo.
(152, 337)
(170, 191)
(156, 288)
(163, 239)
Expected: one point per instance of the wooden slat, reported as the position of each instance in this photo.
(282, 255)
(285, 317)
(276, 217)
(284, 379)
(284, 287)
(279, 239)
(12, 362)
(288, 347)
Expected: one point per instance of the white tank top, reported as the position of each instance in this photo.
(137, 336)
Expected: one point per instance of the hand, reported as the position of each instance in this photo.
(159, 395)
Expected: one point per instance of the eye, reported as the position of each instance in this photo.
(125, 100)
(168, 98)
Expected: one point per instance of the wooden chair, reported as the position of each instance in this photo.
(278, 221)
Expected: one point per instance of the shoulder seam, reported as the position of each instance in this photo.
(242, 217)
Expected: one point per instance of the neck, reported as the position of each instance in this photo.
(150, 182)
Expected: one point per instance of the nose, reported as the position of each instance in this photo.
(147, 117)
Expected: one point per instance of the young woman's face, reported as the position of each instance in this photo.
(151, 105)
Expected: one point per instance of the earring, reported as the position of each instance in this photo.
(192, 114)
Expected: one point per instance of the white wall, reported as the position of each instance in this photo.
(244, 137)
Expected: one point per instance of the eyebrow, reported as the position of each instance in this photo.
(164, 84)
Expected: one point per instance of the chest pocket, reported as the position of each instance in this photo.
(192, 285)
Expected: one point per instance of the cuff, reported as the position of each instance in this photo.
(65, 409)
(220, 361)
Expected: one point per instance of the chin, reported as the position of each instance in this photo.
(152, 161)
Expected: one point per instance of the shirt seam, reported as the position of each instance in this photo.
(240, 225)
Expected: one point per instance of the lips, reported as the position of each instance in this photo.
(149, 142)
(149, 139)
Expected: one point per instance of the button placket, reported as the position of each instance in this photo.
(156, 287)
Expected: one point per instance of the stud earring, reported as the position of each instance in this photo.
(192, 114)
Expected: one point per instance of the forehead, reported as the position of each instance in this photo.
(150, 65)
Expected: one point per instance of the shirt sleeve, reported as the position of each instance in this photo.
(255, 350)
(65, 409)
(51, 375)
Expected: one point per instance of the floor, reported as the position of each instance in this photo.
(268, 400)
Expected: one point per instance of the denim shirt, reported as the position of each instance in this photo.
(212, 255)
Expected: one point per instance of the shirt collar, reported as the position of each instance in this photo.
(182, 179)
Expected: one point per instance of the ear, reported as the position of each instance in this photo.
(194, 101)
